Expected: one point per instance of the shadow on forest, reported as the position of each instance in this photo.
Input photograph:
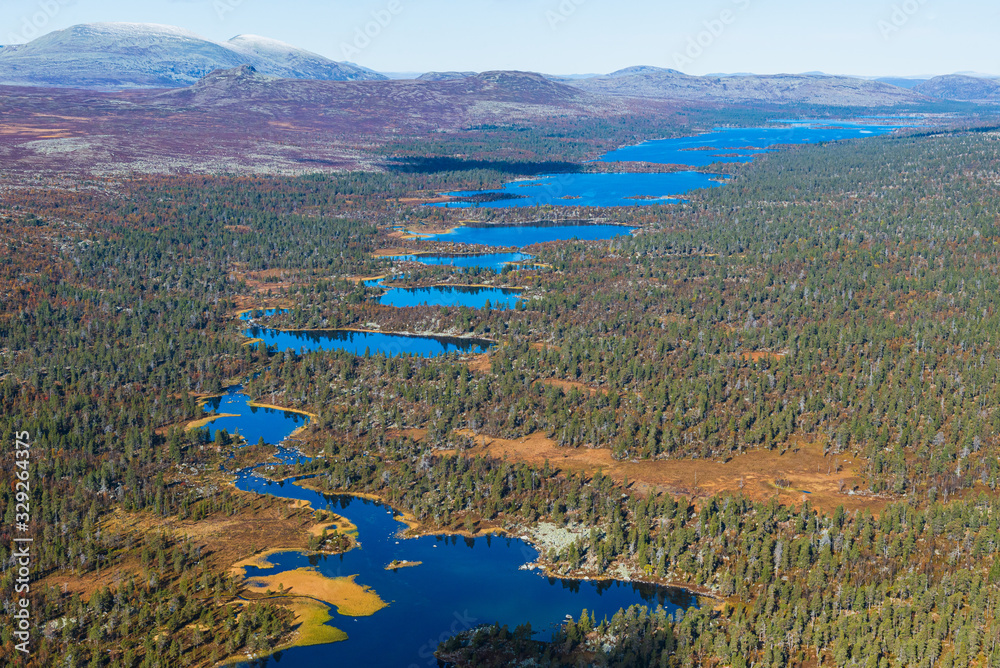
(446, 164)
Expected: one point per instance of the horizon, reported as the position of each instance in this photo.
(572, 37)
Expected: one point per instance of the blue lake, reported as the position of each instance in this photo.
(462, 582)
(478, 298)
(253, 422)
(519, 236)
(723, 145)
(592, 190)
(362, 343)
(740, 144)
(493, 261)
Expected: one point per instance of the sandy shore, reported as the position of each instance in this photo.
(198, 424)
(350, 598)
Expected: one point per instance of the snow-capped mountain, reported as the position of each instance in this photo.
(289, 62)
(144, 55)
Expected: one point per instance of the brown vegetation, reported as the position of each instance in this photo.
(824, 479)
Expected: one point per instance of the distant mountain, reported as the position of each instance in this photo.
(981, 75)
(654, 82)
(429, 104)
(961, 87)
(401, 75)
(444, 76)
(143, 55)
(513, 86)
(571, 76)
(278, 59)
(643, 70)
(901, 82)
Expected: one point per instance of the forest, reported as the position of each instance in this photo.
(842, 297)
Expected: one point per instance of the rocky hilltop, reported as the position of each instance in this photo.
(961, 87)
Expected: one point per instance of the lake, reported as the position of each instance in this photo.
(462, 582)
(519, 236)
(722, 145)
(492, 261)
(254, 314)
(740, 144)
(452, 296)
(591, 190)
(366, 343)
(253, 422)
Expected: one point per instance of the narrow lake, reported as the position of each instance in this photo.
(254, 314)
(519, 236)
(741, 144)
(365, 343)
(590, 190)
(451, 296)
(252, 422)
(461, 582)
(722, 145)
(493, 261)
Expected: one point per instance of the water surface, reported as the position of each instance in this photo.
(255, 314)
(722, 145)
(493, 261)
(451, 296)
(461, 582)
(253, 422)
(729, 145)
(365, 343)
(519, 236)
(624, 189)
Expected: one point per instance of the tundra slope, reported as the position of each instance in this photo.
(654, 82)
(242, 120)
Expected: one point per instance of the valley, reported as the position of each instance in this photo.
(501, 368)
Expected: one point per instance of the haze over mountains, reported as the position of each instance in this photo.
(121, 56)
(137, 98)
(780, 88)
(140, 55)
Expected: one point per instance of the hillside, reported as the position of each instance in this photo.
(243, 119)
(961, 87)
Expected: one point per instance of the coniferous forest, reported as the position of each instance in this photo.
(782, 395)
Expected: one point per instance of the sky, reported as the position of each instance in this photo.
(859, 37)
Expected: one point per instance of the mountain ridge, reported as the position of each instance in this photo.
(144, 55)
(123, 56)
(660, 83)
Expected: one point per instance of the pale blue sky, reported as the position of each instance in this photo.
(864, 37)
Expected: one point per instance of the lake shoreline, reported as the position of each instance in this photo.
(417, 529)
(412, 335)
